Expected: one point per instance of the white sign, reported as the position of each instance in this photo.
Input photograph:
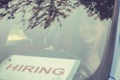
(19, 67)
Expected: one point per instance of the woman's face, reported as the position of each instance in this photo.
(91, 33)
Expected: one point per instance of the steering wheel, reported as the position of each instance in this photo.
(83, 72)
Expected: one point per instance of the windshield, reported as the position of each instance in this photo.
(80, 36)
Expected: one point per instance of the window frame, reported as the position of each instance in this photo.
(103, 71)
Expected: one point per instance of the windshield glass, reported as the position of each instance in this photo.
(80, 36)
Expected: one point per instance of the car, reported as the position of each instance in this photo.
(83, 45)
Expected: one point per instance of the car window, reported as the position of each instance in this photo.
(81, 36)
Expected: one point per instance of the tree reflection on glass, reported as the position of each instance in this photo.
(45, 12)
